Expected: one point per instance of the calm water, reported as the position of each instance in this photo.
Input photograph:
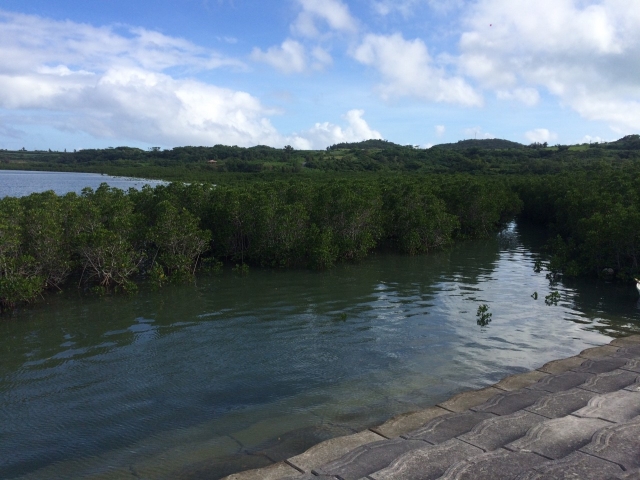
(198, 381)
(18, 183)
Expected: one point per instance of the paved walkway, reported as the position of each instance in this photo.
(577, 418)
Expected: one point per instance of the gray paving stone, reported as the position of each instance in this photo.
(332, 449)
(628, 352)
(632, 365)
(561, 382)
(306, 476)
(618, 407)
(576, 466)
(446, 427)
(556, 405)
(610, 381)
(618, 443)
(521, 380)
(563, 365)
(634, 387)
(408, 422)
(626, 341)
(427, 463)
(493, 466)
(558, 437)
(272, 472)
(599, 352)
(494, 433)
(603, 365)
(367, 459)
(465, 400)
(511, 402)
(633, 474)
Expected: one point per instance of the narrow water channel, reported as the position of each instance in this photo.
(199, 381)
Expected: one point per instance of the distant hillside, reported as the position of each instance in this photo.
(630, 142)
(365, 145)
(489, 144)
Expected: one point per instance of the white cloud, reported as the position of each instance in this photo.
(586, 53)
(290, 57)
(407, 7)
(477, 133)
(407, 69)
(325, 134)
(334, 13)
(440, 129)
(590, 139)
(81, 78)
(540, 135)
(529, 96)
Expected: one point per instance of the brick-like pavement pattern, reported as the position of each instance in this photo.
(575, 418)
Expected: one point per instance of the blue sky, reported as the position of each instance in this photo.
(311, 73)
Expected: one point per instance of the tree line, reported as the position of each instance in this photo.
(107, 239)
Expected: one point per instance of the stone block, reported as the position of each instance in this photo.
(369, 458)
(272, 472)
(610, 381)
(494, 433)
(493, 465)
(332, 449)
(560, 404)
(626, 341)
(408, 422)
(465, 400)
(633, 474)
(511, 402)
(575, 466)
(633, 365)
(602, 365)
(560, 366)
(559, 437)
(617, 407)
(561, 382)
(618, 443)
(599, 352)
(444, 428)
(521, 380)
(629, 352)
(427, 463)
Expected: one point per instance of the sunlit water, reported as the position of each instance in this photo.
(17, 183)
(199, 381)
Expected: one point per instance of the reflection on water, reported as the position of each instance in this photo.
(198, 381)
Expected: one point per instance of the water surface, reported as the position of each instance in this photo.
(19, 183)
(199, 381)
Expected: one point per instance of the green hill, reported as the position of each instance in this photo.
(489, 144)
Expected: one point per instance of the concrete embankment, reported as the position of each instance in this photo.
(578, 417)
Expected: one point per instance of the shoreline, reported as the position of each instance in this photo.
(597, 365)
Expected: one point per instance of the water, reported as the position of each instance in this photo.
(199, 381)
(18, 183)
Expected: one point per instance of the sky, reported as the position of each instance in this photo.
(311, 73)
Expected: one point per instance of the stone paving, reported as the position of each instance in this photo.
(576, 418)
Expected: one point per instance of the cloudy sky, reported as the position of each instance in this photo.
(311, 73)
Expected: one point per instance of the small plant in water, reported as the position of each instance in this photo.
(552, 298)
(343, 317)
(484, 317)
(535, 295)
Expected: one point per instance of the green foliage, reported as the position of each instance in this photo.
(483, 315)
(292, 208)
(179, 241)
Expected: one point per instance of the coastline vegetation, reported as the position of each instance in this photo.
(286, 208)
